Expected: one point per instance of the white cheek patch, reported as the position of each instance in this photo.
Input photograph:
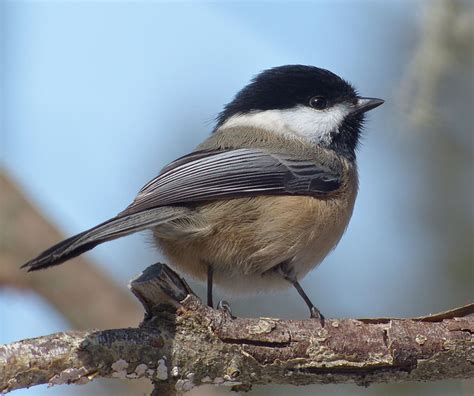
(301, 121)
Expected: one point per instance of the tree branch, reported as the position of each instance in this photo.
(181, 344)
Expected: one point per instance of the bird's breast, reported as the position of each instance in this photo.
(247, 237)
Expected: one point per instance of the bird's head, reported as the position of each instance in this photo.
(302, 102)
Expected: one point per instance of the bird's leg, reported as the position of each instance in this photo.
(221, 305)
(287, 272)
(209, 286)
(314, 312)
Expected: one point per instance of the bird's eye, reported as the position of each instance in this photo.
(318, 102)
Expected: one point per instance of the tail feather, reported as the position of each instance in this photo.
(111, 229)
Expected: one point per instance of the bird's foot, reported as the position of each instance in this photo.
(315, 314)
(224, 306)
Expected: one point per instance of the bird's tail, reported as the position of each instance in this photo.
(111, 229)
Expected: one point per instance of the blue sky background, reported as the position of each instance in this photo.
(97, 97)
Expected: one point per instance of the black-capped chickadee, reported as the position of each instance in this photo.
(263, 199)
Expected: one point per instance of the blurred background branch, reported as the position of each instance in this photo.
(25, 232)
(82, 293)
(437, 96)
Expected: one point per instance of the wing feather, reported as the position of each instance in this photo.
(225, 174)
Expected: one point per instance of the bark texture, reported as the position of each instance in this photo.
(182, 344)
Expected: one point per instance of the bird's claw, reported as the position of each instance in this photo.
(225, 307)
(315, 314)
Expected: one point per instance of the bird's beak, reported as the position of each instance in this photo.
(363, 105)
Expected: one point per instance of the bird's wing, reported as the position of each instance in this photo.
(200, 176)
(224, 174)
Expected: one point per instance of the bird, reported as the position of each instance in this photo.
(263, 199)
